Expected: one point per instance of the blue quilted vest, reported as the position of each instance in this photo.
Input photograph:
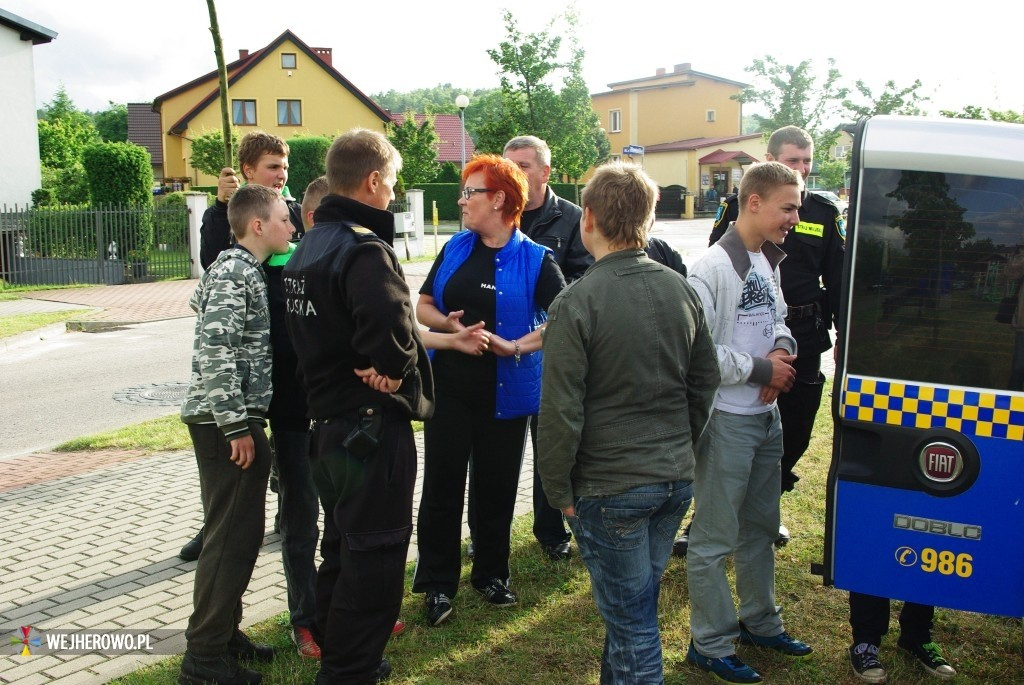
(516, 270)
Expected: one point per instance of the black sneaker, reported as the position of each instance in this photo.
(682, 542)
(866, 666)
(783, 538)
(497, 593)
(241, 647)
(559, 552)
(192, 548)
(439, 608)
(218, 670)
(930, 657)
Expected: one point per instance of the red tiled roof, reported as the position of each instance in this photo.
(697, 143)
(241, 67)
(449, 133)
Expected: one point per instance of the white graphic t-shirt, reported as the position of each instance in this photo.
(754, 334)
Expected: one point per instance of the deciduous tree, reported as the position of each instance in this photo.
(418, 144)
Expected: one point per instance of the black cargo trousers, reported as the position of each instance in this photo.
(367, 502)
(799, 407)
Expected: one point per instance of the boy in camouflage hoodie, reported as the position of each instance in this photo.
(224, 408)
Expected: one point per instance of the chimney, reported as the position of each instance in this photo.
(242, 54)
(660, 71)
(680, 68)
(325, 54)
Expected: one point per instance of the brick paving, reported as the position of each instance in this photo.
(91, 542)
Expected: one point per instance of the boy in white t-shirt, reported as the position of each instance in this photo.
(737, 479)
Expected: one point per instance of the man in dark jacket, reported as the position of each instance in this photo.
(366, 374)
(554, 223)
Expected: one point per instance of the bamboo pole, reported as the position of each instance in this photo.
(222, 69)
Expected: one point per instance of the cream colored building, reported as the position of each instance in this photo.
(286, 88)
(688, 125)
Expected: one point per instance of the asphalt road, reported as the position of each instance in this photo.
(58, 386)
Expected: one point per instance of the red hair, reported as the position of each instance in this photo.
(506, 176)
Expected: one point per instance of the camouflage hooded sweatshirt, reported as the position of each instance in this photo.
(231, 360)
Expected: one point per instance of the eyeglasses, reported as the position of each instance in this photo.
(468, 192)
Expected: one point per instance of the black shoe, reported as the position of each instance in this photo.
(241, 647)
(929, 655)
(439, 608)
(865, 663)
(218, 670)
(559, 552)
(682, 542)
(497, 593)
(383, 671)
(192, 548)
(783, 538)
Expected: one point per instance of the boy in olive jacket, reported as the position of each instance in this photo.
(629, 378)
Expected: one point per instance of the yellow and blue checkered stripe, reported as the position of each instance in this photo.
(985, 414)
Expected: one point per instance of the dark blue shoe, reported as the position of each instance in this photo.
(782, 643)
(729, 668)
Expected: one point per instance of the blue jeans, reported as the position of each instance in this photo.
(625, 541)
(300, 510)
(737, 482)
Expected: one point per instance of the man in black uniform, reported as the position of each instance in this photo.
(814, 258)
(554, 223)
(366, 374)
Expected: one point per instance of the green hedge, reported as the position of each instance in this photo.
(61, 232)
(120, 174)
(307, 156)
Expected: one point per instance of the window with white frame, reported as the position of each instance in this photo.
(710, 116)
(615, 121)
(842, 151)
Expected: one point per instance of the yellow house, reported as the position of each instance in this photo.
(684, 127)
(286, 88)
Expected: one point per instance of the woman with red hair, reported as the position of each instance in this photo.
(491, 273)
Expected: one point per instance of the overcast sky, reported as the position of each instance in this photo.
(134, 50)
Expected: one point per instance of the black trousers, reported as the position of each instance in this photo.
(869, 619)
(367, 526)
(234, 500)
(548, 522)
(799, 406)
(463, 425)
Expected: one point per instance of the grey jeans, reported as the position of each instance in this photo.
(736, 486)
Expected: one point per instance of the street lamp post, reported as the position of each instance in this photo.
(462, 102)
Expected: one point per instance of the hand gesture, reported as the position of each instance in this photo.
(378, 381)
(227, 184)
(243, 451)
(471, 339)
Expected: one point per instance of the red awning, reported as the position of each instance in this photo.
(721, 156)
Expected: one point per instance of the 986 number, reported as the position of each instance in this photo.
(946, 563)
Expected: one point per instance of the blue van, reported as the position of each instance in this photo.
(925, 499)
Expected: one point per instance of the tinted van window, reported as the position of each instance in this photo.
(930, 264)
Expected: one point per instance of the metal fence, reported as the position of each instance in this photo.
(104, 245)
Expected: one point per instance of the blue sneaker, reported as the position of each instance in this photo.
(782, 643)
(729, 669)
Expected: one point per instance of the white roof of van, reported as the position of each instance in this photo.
(964, 146)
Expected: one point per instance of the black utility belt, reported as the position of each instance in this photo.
(804, 311)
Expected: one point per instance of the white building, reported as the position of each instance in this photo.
(19, 136)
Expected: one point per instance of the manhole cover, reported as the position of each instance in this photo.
(161, 394)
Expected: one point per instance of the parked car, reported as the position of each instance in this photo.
(842, 204)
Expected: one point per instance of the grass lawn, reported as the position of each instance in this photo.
(555, 635)
(21, 323)
(165, 433)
